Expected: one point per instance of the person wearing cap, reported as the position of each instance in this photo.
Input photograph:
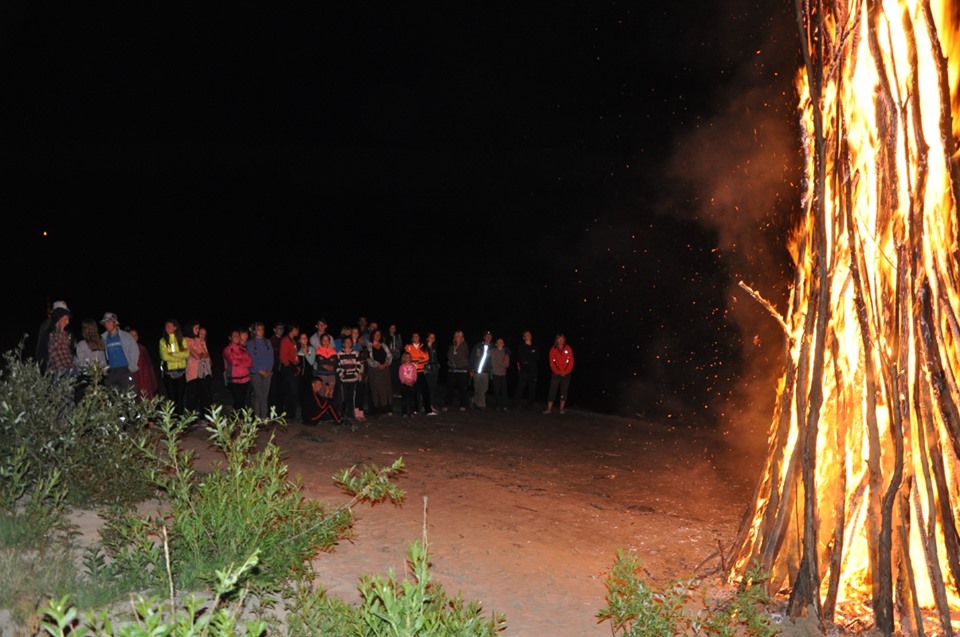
(480, 366)
(43, 333)
(60, 345)
(123, 354)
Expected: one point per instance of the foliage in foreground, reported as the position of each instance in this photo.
(247, 504)
(636, 610)
(74, 431)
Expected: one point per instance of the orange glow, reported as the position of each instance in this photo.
(880, 246)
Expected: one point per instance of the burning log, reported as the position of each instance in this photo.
(856, 509)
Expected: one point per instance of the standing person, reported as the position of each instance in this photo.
(197, 397)
(407, 372)
(275, 397)
(379, 359)
(60, 346)
(325, 366)
(288, 390)
(145, 378)
(236, 365)
(306, 360)
(431, 371)
(458, 372)
(349, 368)
(528, 364)
(321, 330)
(173, 364)
(561, 366)
(499, 364)
(420, 357)
(395, 343)
(91, 350)
(42, 349)
(123, 355)
(261, 371)
(480, 370)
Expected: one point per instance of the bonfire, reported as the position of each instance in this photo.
(855, 514)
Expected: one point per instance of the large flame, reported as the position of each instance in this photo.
(861, 492)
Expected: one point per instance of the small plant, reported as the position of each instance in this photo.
(246, 505)
(151, 617)
(29, 512)
(419, 605)
(637, 610)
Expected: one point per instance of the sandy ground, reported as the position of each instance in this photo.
(524, 512)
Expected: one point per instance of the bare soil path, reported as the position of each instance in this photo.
(525, 512)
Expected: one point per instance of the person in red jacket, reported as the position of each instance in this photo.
(561, 366)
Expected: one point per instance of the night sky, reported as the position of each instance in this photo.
(610, 170)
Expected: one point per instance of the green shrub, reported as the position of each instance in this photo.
(246, 505)
(637, 610)
(29, 512)
(90, 442)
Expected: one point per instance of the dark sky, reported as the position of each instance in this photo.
(605, 169)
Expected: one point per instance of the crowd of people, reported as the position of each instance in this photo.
(312, 377)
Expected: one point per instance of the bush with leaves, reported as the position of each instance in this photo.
(90, 443)
(636, 610)
(247, 504)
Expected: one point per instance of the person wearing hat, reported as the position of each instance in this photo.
(60, 345)
(43, 333)
(123, 354)
(480, 366)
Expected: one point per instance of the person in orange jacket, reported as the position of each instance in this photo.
(561, 366)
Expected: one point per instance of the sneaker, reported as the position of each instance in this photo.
(463, 409)
(562, 412)
(435, 411)
(546, 412)
(431, 413)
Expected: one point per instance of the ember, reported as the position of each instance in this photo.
(856, 509)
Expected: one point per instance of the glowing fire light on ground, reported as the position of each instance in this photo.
(856, 510)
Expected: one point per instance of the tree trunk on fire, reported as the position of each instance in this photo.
(856, 507)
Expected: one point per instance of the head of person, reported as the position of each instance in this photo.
(259, 329)
(293, 330)
(244, 336)
(431, 338)
(415, 338)
(376, 336)
(235, 337)
(561, 340)
(60, 318)
(110, 322)
(321, 326)
(500, 343)
(527, 336)
(458, 337)
(132, 331)
(326, 340)
(487, 337)
(278, 328)
(88, 330)
(347, 343)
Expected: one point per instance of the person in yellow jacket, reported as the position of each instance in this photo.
(173, 363)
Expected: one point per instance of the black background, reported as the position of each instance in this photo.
(604, 169)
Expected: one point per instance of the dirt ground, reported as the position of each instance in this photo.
(524, 512)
